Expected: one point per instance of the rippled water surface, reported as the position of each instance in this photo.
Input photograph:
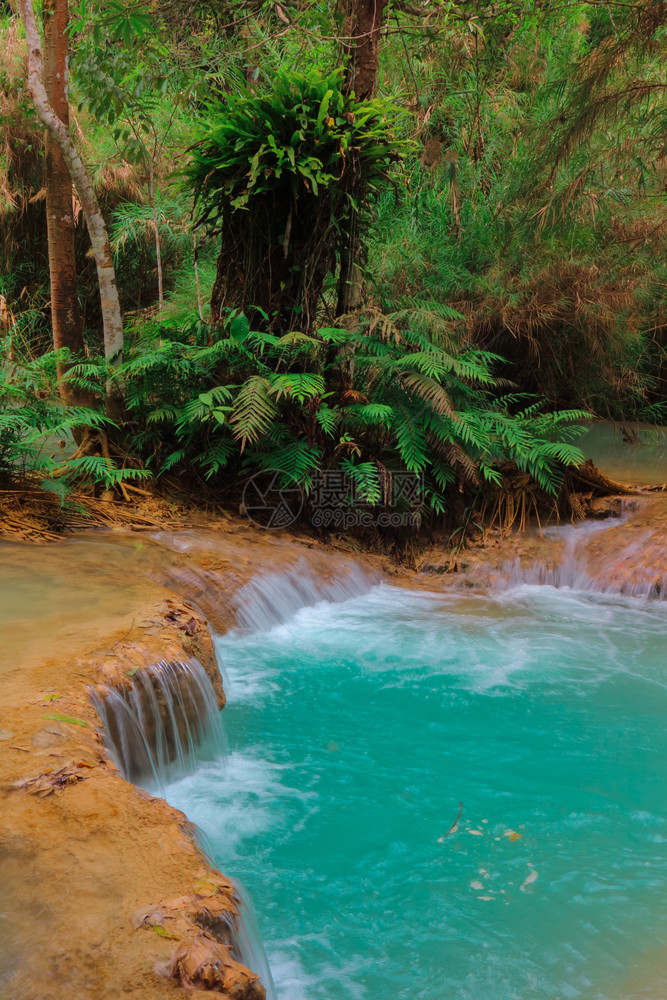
(357, 728)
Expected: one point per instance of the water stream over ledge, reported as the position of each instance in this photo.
(357, 727)
(163, 723)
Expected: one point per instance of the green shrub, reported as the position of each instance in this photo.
(37, 430)
(386, 397)
(280, 178)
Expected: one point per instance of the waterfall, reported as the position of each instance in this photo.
(271, 599)
(634, 568)
(158, 728)
(162, 723)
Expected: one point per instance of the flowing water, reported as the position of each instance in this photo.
(163, 724)
(356, 730)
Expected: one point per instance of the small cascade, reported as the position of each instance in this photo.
(246, 942)
(598, 559)
(162, 723)
(273, 598)
(205, 589)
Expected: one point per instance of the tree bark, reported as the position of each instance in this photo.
(351, 276)
(196, 267)
(363, 46)
(156, 234)
(65, 315)
(111, 315)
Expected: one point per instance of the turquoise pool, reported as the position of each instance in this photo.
(357, 729)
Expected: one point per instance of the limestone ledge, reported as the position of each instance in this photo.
(107, 893)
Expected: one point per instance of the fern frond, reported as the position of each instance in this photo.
(431, 392)
(410, 440)
(295, 460)
(297, 386)
(365, 477)
(328, 418)
(253, 411)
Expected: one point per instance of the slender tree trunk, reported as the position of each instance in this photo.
(156, 234)
(364, 22)
(351, 276)
(111, 315)
(7, 325)
(196, 266)
(363, 46)
(65, 316)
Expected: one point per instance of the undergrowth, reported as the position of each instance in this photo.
(388, 396)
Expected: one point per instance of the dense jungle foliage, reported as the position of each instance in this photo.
(445, 270)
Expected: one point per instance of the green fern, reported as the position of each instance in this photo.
(253, 412)
(300, 387)
(365, 478)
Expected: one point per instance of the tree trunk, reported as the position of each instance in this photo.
(65, 316)
(364, 22)
(196, 267)
(106, 275)
(351, 277)
(156, 234)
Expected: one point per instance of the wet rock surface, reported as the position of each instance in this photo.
(205, 925)
(81, 849)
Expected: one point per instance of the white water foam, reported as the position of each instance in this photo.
(245, 788)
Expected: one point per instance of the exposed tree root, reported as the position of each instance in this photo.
(31, 514)
(513, 504)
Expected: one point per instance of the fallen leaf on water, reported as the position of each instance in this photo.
(531, 877)
(73, 721)
(512, 835)
(162, 932)
(476, 833)
(476, 885)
